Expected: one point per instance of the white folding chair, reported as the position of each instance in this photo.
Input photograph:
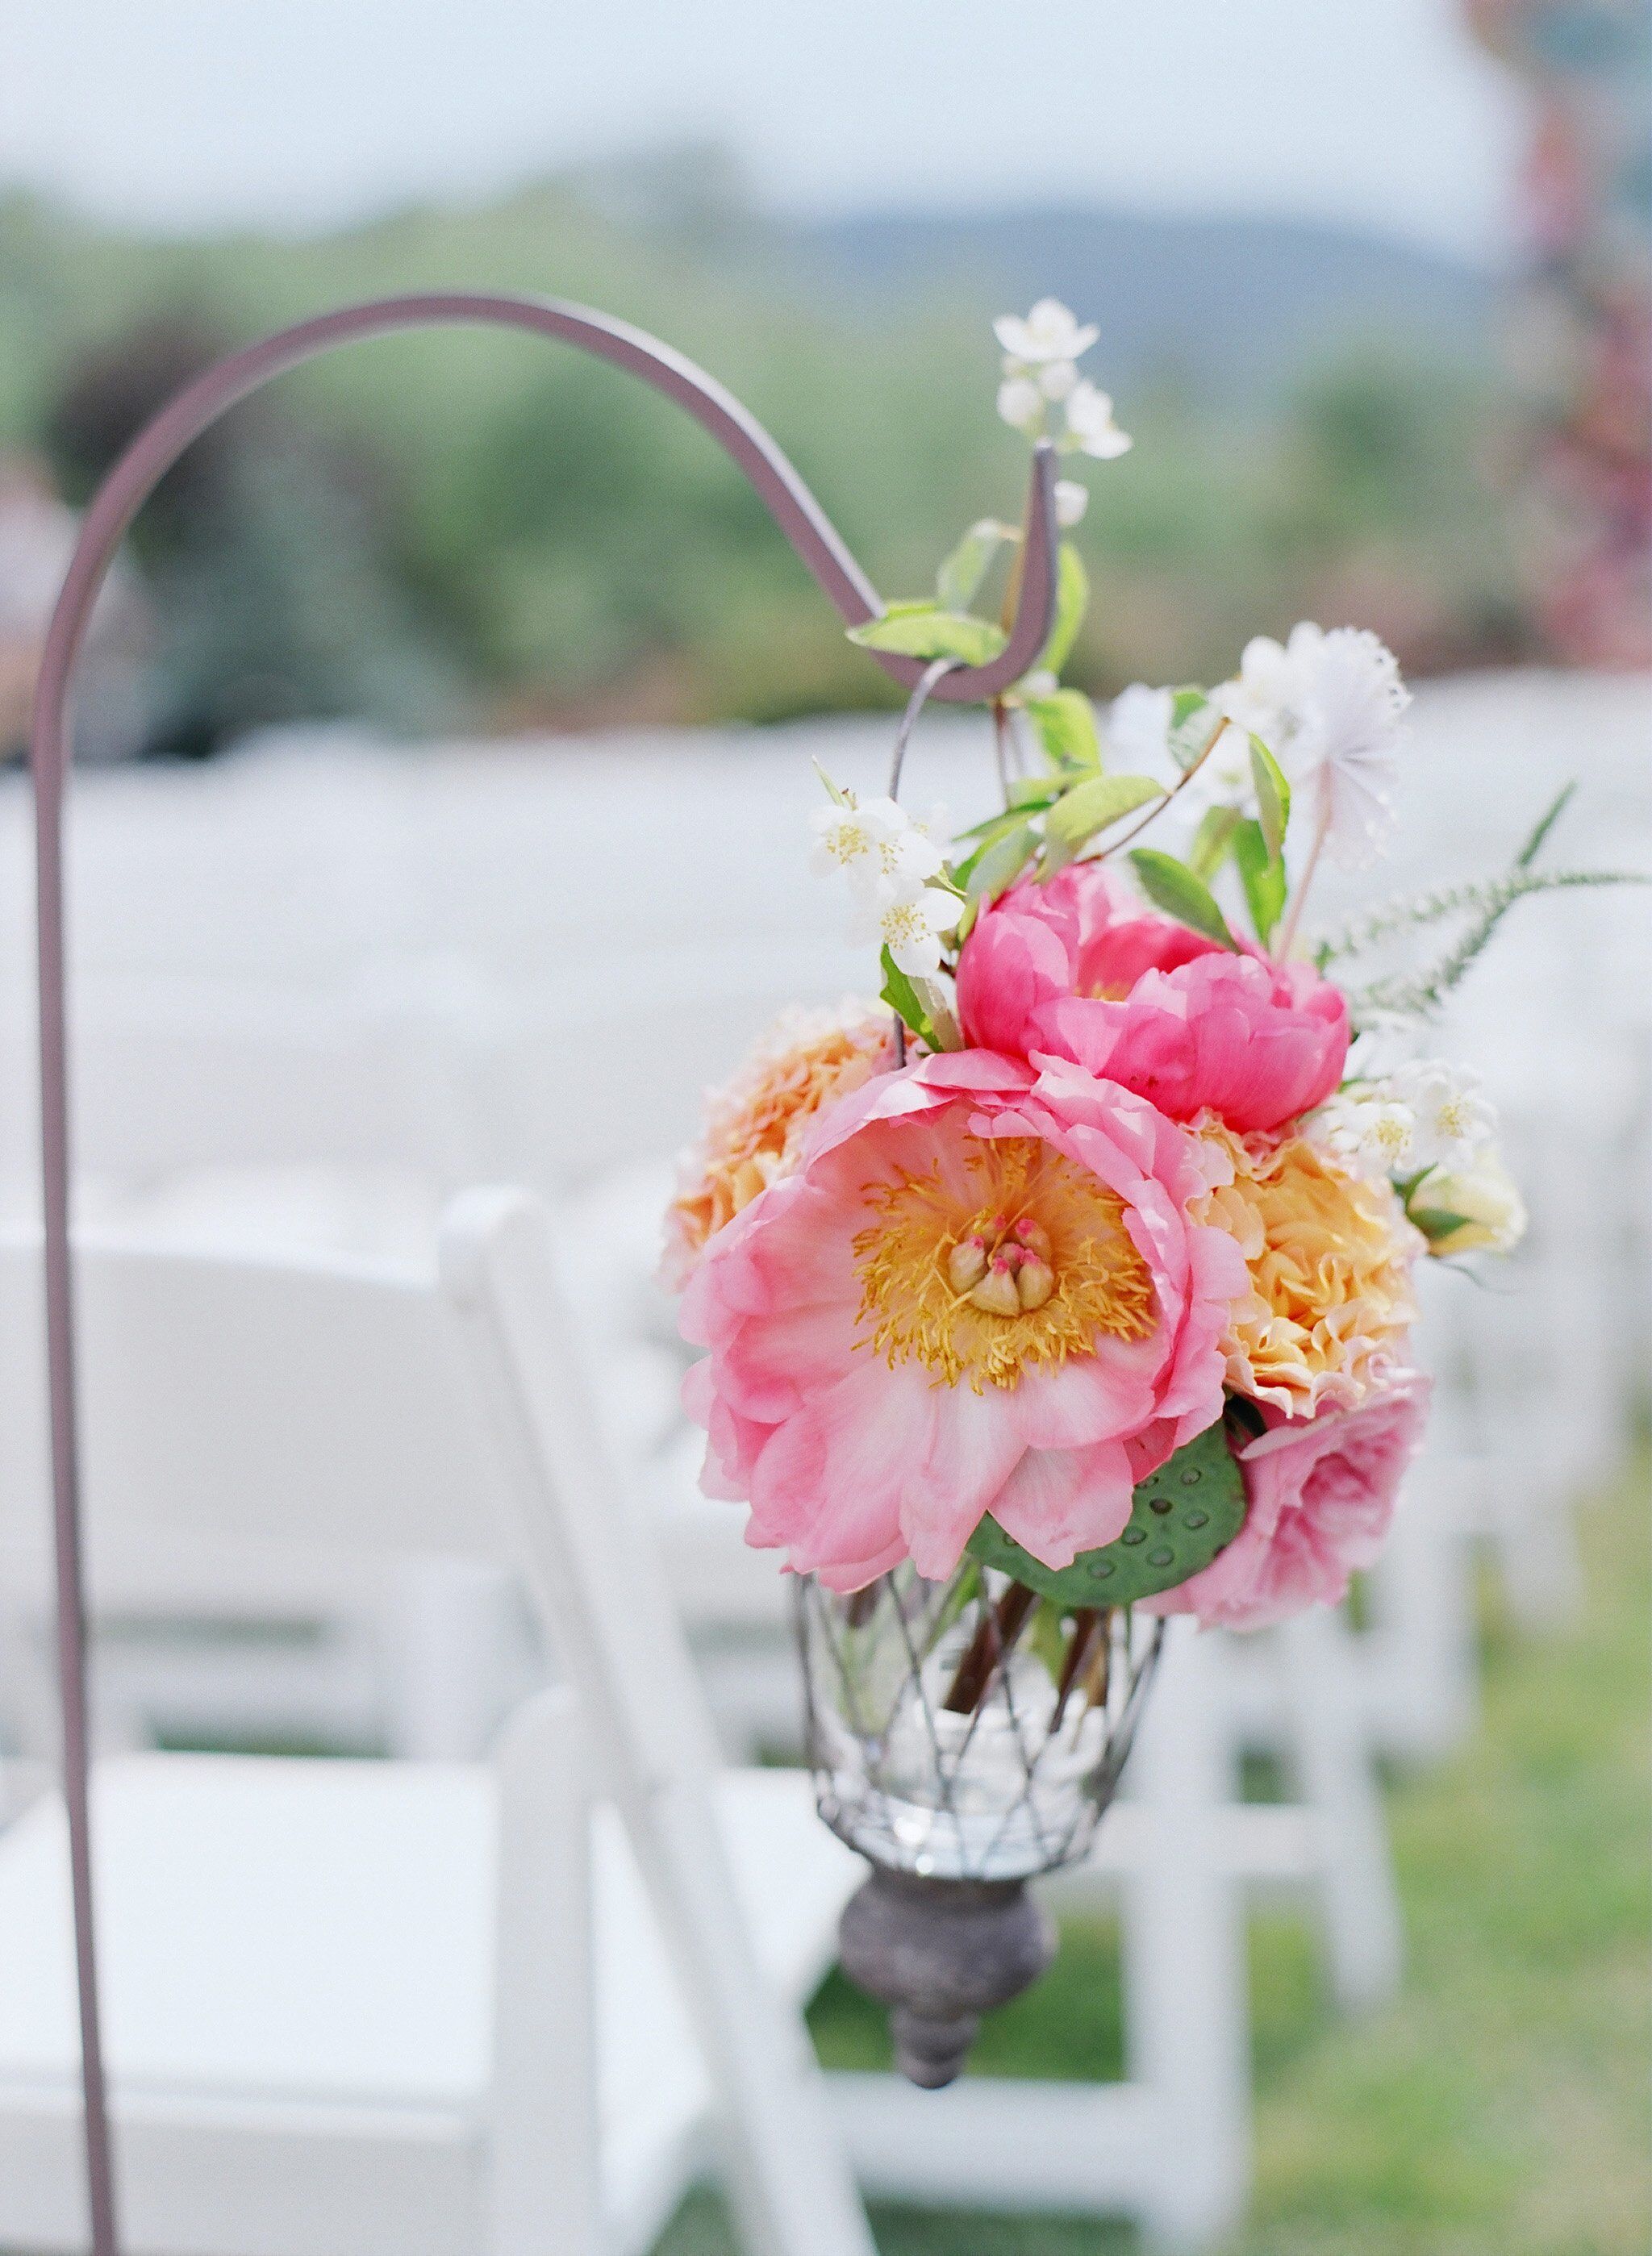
(220, 1114)
(1171, 2144)
(341, 2014)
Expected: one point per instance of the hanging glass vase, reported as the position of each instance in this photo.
(966, 1735)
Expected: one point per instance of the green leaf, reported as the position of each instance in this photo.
(1072, 601)
(925, 630)
(1213, 841)
(835, 792)
(1047, 1639)
(1172, 886)
(1091, 805)
(903, 997)
(1273, 796)
(1262, 875)
(1032, 793)
(987, 834)
(1066, 726)
(1437, 1221)
(1194, 722)
(959, 579)
(1181, 1517)
(999, 864)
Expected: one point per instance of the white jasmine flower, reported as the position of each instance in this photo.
(1269, 693)
(909, 924)
(1372, 1132)
(1454, 1120)
(1020, 404)
(1072, 501)
(1057, 377)
(1049, 333)
(1090, 423)
(1137, 729)
(876, 846)
(1329, 706)
(1488, 1199)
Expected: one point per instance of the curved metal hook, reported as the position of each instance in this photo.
(117, 501)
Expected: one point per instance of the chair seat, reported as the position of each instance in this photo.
(312, 1932)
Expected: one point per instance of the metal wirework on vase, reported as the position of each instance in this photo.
(965, 1736)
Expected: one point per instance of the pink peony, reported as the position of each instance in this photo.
(1073, 969)
(1321, 1494)
(981, 1291)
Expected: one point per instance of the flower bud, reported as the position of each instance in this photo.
(966, 1263)
(1483, 1195)
(1035, 1282)
(997, 1292)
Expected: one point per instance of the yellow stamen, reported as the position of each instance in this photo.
(1026, 1309)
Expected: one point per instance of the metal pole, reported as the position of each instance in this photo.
(117, 501)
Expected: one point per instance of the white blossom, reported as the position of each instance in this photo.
(1072, 501)
(1090, 423)
(909, 924)
(1372, 1132)
(1137, 729)
(876, 845)
(1020, 404)
(1330, 708)
(1056, 378)
(1051, 332)
(1454, 1120)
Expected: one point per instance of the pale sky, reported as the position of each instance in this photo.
(297, 113)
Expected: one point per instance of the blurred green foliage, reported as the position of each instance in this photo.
(450, 526)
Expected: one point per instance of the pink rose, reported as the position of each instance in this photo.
(981, 1291)
(1073, 969)
(1321, 1493)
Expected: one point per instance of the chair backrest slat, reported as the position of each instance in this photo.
(280, 1400)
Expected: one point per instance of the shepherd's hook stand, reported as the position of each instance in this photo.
(117, 501)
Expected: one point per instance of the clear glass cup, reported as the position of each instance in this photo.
(970, 1729)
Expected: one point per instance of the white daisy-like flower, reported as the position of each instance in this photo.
(1369, 1130)
(1090, 423)
(1051, 332)
(1330, 708)
(876, 844)
(1020, 404)
(1072, 501)
(1455, 1122)
(909, 924)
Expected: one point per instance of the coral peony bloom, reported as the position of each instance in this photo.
(981, 1291)
(1072, 969)
(755, 1127)
(1320, 1494)
(1330, 1255)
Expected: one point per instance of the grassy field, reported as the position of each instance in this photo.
(1502, 2106)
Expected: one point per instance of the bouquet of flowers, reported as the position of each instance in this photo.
(1069, 1284)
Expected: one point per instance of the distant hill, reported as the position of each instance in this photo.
(1215, 301)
